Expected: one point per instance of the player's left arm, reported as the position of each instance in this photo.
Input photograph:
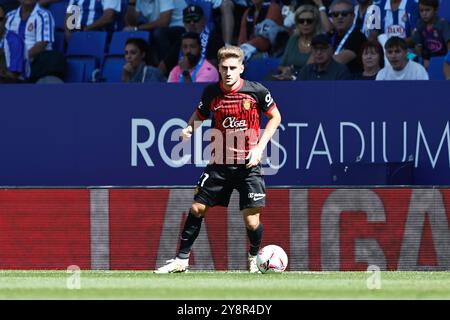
(255, 154)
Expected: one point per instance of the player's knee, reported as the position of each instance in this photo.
(198, 209)
(252, 225)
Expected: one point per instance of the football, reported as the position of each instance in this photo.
(271, 259)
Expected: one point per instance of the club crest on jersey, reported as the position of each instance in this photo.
(246, 104)
(30, 27)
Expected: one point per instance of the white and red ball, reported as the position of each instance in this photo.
(271, 259)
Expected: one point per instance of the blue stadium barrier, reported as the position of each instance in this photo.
(435, 70)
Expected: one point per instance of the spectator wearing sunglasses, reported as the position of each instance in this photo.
(298, 49)
(346, 38)
(194, 21)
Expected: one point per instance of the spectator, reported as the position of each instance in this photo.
(94, 15)
(259, 26)
(30, 31)
(194, 21)
(432, 35)
(447, 66)
(361, 19)
(372, 57)
(230, 11)
(164, 18)
(399, 18)
(136, 68)
(192, 67)
(290, 6)
(399, 67)
(298, 50)
(346, 39)
(324, 66)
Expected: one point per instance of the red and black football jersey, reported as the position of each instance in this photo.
(237, 116)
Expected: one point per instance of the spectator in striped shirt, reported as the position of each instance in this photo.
(93, 15)
(29, 32)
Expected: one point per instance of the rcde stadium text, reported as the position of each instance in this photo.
(226, 310)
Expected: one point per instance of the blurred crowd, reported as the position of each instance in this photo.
(178, 40)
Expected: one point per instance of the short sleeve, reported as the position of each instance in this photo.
(111, 4)
(265, 100)
(203, 110)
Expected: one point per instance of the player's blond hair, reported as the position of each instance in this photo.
(230, 52)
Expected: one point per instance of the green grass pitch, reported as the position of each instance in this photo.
(222, 285)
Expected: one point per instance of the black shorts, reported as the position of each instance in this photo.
(217, 183)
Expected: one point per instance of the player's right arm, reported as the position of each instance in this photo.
(201, 113)
(194, 122)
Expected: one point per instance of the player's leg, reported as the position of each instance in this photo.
(254, 232)
(188, 235)
(211, 190)
(191, 229)
(252, 193)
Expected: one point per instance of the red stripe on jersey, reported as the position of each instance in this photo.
(271, 109)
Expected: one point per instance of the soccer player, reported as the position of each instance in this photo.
(236, 105)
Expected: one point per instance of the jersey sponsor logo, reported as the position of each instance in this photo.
(256, 196)
(217, 107)
(234, 123)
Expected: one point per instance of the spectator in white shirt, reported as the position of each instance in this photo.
(399, 67)
(163, 18)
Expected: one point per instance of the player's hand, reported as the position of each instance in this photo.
(186, 133)
(254, 157)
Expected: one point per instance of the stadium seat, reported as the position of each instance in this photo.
(112, 69)
(79, 69)
(258, 69)
(444, 9)
(119, 38)
(59, 41)
(87, 44)
(58, 11)
(435, 70)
